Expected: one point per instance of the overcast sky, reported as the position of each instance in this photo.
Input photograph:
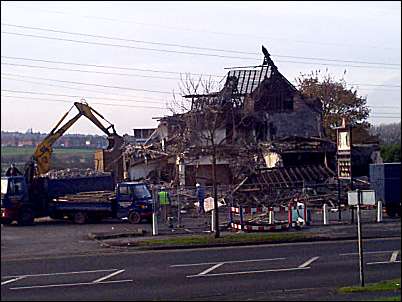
(54, 40)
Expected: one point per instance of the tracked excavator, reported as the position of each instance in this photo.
(40, 161)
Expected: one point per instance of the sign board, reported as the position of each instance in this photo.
(344, 168)
(209, 204)
(343, 140)
(368, 197)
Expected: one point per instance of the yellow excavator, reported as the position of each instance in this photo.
(40, 161)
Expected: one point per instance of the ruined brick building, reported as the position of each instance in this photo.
(265, 132)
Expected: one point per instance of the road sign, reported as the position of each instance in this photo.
(368, 197)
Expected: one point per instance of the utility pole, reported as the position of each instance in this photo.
(351, 175)
(359, 236)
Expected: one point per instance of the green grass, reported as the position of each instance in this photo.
(395, 298)
(196, 240)
(388, 285)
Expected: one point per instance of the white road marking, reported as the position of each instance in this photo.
(69, 284)
(394, 256)
(250, 272)
(211, 269)
(236, 261)
(384, 262)
(66, 273)
(376, 252)
(12, 280)
(308, 262)
(108, 276)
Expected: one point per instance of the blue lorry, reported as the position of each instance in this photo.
(80, 199)
(385, 180)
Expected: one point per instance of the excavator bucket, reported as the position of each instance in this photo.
(115, 142)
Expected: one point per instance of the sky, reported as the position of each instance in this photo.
(125, 59)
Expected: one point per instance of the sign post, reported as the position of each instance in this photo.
(358, 198)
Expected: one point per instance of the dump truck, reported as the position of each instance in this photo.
(385, 180)
(79, 199)
(34, 194)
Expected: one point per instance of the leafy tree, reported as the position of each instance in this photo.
(391, 153)
(338, 102)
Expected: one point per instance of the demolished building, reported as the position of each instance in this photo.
(266, 135)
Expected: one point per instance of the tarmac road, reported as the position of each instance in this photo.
(270, 272)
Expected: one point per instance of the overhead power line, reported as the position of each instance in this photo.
(130, 46)
(194, 47)
(135, 100)
(233, 34)
(385, 107)
(91, 71)
(77, 88)
(64, 101)
(190, 53)
(376, 85)
(78, 96)
(132, 106)
(146, 76)
(378, 116)
(88, 84)
(108, 66)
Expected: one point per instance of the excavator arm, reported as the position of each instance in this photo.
(43, 151)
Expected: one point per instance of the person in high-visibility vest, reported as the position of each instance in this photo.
(164, 202)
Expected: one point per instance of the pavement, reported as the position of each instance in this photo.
(65, 238)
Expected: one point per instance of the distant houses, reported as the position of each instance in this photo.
(31, 139)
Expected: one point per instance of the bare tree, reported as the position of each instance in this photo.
(200, 120)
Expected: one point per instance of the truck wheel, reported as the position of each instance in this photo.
(80, 218)
(134, 218)
(7, 221)
(26, 217)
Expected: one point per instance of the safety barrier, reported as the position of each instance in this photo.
(296, 216)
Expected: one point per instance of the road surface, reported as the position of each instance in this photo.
(266, 272)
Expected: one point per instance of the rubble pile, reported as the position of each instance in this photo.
(74, 172)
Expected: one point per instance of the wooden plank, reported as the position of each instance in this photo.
(283, 178)
(294, 174)
(287, 174)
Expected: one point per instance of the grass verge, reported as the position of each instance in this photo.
(226, 239)
(387, 285)
(395, 298)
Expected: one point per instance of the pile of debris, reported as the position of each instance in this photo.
(74, 172)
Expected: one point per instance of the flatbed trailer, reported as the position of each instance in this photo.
(68, 199)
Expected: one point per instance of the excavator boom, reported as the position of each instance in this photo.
(43, 151)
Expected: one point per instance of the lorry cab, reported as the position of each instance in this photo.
(15, 200)
(134, 201)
